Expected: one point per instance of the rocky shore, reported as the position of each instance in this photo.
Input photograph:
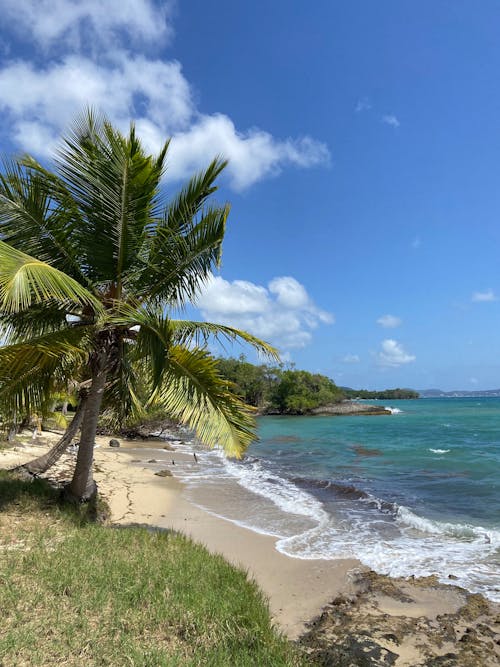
(405, 623)
(350, 408)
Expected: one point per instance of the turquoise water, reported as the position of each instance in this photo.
(437, 456)
(416, 492)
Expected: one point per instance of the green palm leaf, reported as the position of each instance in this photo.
(194, 392)
(30, 372)
(26, 281)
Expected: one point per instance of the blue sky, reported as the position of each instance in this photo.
(364, 147)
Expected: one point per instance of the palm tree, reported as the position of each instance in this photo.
(93, 261)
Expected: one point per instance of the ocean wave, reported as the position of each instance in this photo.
(393, 411)
(406, 517)
(282, 492)
(439, 451)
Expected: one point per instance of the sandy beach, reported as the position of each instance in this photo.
(389, 621)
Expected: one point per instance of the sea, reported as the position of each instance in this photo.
(416, 492)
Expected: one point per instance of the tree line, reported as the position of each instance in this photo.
(276, 389)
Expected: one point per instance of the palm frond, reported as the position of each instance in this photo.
(190, 200)
(186, 332)
(25, 281)
(157, 332)
(194, 393)
(31, 372)
(38, 215)
(115, 185)
(183, 262)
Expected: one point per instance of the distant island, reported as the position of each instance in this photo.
(458, 393)
(277, 390)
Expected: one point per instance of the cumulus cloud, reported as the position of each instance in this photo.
(253, 155)
(39, 99)
(389, 321)
(351, 359)
(393, 354)
(53, 23)
(281, 313)
(488, 295)
(391, 119)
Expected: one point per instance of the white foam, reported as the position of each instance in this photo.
(284, 494)
(439, 451)
(441, 549)
(406, 517)
(393, 411)
(399, 543)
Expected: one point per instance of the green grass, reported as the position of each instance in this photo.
(77, 593)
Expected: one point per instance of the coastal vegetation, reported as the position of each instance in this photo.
(274, 389)
(386, 394)
(279, 390)
(78, 593)
(93, 262)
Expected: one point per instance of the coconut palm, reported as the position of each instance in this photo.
(93, 262)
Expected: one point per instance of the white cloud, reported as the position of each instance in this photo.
(362, 105)
(77, 23)
(391, 119)
(39, 101)
(393, 354)
(281, 313)
(49, 98)
(351, 359)
(252, 155)
(389, 321)
(488, 295)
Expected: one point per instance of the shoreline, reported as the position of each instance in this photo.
(327, 602)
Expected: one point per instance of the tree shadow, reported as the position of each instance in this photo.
(31, 494)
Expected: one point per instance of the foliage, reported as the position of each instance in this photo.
(387, 394)
(77, 593)
(297, 392)
(275, 389)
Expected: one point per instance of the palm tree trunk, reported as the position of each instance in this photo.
(82, 487)
(42, 463)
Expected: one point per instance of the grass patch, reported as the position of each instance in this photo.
(76, 593)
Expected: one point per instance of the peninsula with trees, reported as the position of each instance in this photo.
(289, 391)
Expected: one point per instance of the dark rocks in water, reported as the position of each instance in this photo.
(164, 473)
(152, 461)
(366, 451)
(114, 442)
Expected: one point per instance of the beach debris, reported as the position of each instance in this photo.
(164, 473)
(195, 457)
(114, 442)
